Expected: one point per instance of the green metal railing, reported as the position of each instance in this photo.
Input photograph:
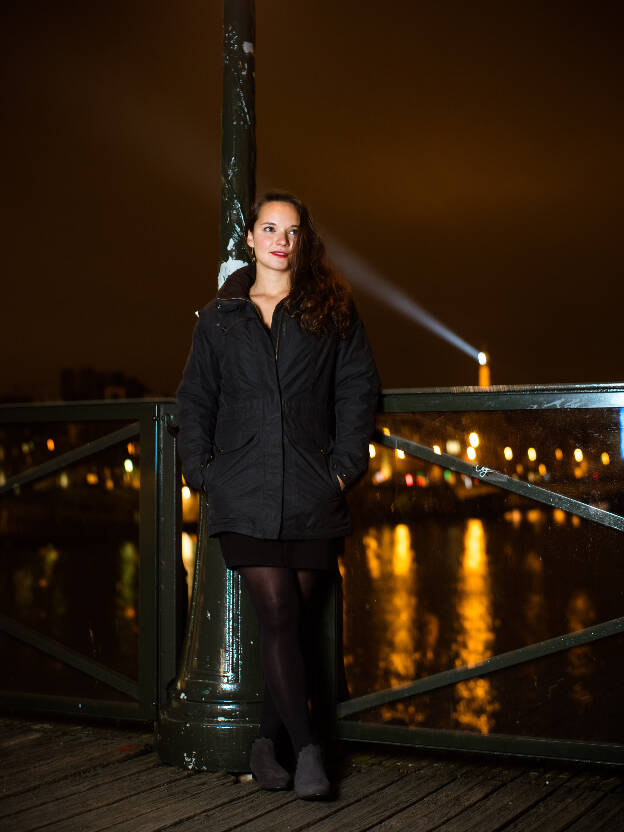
(149, 422)
(534, 399)
(159, 532)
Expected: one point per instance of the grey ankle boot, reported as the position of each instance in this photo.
(310, 779)
(267, 772)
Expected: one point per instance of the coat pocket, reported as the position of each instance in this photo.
(331, 472)
(313, 453)
(231, 441)
(232, 436)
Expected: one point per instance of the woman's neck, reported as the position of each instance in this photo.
(270, 283)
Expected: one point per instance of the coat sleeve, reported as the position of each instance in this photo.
(356, 397)
(198, 397)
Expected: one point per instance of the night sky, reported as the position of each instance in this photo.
(471, 154)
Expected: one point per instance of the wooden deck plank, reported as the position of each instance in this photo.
(557, 813)
(248, 802)
(507, 803)
(258, 810)
(109, 792)
(603, 779)
(59, 752)
(163, 804)
(80, 778)
(362, 786)
(605, 816)
(39, 753)
(10, 727)
(362, 814)
(28, 751)
(82, 758)
(178, 811)
(10, 741)
(37, 736)
(466, 791)
(76, 783)
(568, 803)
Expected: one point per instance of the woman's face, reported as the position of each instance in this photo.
(274, 234)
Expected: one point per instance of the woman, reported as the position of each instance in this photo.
(276, 408)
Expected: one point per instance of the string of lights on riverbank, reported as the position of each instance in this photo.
(530, 461)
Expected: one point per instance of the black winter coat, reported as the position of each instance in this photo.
(269, 419)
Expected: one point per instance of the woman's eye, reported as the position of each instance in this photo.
(293, 232)
(268, 228)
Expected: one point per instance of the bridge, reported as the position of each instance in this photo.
(493, 630)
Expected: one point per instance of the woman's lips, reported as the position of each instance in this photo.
(279, 254)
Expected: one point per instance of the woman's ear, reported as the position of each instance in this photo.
(250, 239)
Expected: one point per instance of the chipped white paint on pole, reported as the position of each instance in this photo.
(231, 264)
(227, 268)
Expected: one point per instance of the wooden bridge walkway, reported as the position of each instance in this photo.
(62, 777)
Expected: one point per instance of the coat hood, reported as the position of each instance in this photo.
(238, 283)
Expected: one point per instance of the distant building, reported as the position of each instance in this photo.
(87, 383)
(16, 395)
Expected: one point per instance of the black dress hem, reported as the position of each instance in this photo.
(314, 553)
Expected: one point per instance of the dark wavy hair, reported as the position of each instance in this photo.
(319, 298)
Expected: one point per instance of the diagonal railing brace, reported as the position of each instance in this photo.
(75, 455)
(500, 480)
(491, 665)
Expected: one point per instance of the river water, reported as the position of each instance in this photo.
(429, 596)
(440, 572)
(419, 598)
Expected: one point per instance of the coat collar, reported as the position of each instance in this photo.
(238, 283)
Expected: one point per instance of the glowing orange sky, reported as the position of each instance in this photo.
(471, 154)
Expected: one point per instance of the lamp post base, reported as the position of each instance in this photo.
(204, 736)
(213, 710)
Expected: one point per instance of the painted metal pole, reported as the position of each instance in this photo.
(213, 710)
(238, 137)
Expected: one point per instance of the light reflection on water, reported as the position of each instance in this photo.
(420, 598)
(580, 614)
(400, 609)
(425, 597)
(128, 580)
(475, 703)
(408, 635)
(84, 595)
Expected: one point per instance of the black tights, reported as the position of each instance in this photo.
(287, 602)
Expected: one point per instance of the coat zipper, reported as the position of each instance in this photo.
(279, 329)
(279, 388)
